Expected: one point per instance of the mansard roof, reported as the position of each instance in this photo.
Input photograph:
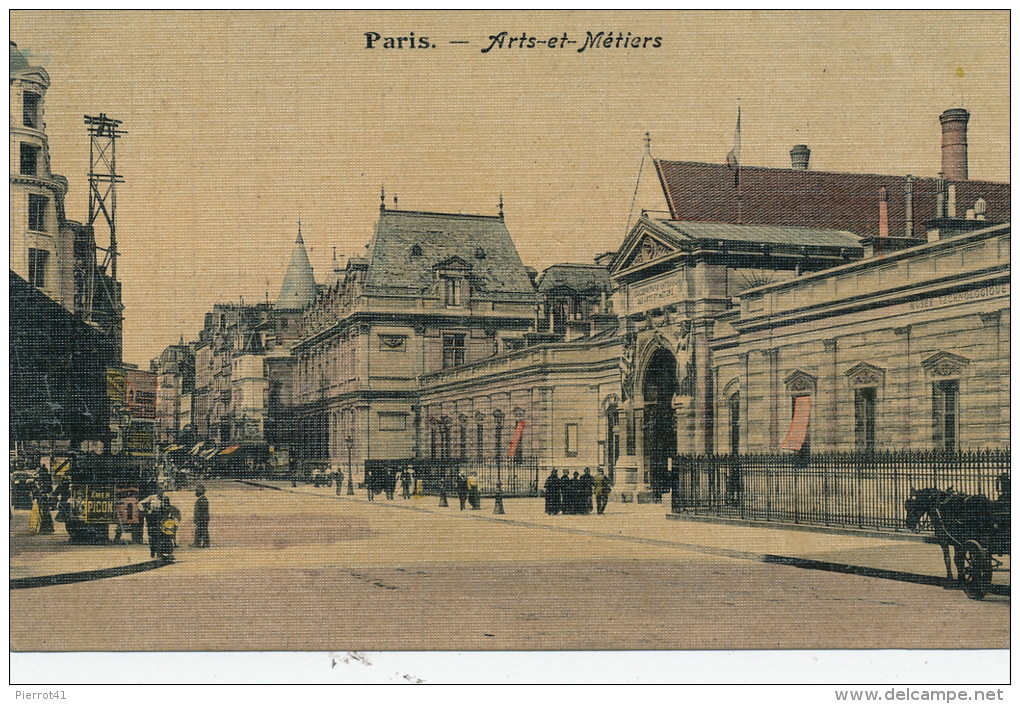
(576, 277)
(409, 246)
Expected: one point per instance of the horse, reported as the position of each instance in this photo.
(956, 518)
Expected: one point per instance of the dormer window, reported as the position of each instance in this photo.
(453, 291)
(416, 251)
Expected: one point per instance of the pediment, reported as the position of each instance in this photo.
(641, 246)
(647, 249)
(865, 374)
(801, 381)
(453, 263)
(945, 364)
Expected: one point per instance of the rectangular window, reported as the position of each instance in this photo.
(453, 350)
(453, 290)
(38, 261)
(945, 414)
(864, 418)
(571, 439)
(29, 159)
(30, 110)
(734, 405)
(37, 206)
(463, 441)
(480, 441)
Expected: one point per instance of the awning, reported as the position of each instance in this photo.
(797, 433)
(172, 448)
(209, 454)
(518, 434)
(230, 449)
(195, 449)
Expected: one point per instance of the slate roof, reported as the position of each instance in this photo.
(768, 234)
(482, 243)
(838, 201)
(579, 277)
(298, 289)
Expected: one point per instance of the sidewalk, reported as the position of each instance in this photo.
(903, 556)
(908, 560)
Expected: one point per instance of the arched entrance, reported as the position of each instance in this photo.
(659, 386)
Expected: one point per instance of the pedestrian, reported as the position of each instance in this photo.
(552, 493)
(168, 525)
(601, 491)
(338, 477)
(152, 507)
(576, 491)
(46, 504)
(462, 489)
(391, 483)
(405, 482)
(201, 518)
(473, 495)
(587, 487)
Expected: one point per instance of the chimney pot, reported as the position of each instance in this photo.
(800, 155)
(954, 143)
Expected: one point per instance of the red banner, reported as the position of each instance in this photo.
(518, 434)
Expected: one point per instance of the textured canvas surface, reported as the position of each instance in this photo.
(507, 222)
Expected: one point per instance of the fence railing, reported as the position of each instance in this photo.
(831, 489)
(519, 477)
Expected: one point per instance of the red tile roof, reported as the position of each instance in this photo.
(840, 201)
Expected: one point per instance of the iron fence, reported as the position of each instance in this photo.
(843, 489)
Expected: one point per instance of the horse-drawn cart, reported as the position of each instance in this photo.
(977, 528)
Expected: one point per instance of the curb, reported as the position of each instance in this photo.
(830, 530)
(87, 576)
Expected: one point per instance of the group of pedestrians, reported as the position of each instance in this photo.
(163, 519)
(577, 494)
(467, 491)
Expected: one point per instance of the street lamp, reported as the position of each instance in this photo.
(350, 472)
(498, 508)
(442, 487)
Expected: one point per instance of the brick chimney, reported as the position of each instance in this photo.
(800, 155)
(954, 144)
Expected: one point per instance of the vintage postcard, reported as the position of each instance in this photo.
(494, 346)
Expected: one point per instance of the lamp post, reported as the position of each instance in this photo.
(442, 487)
(498, 508)
(350, 471)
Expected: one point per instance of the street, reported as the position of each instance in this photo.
(304, 571)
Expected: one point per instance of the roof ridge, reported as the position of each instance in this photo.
(439, 214)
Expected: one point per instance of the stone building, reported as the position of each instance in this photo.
(434, 291)
(175, 380)
(675, 281)
(790, 310)
(909, 350)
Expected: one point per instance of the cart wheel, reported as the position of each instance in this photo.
(976, 575)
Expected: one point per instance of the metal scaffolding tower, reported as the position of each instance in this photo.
(99, 293)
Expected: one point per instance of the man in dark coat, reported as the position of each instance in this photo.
(201, 519)
(601, 492)
(571, 493)
(552, 493)
(152, 508)
(586, 486)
